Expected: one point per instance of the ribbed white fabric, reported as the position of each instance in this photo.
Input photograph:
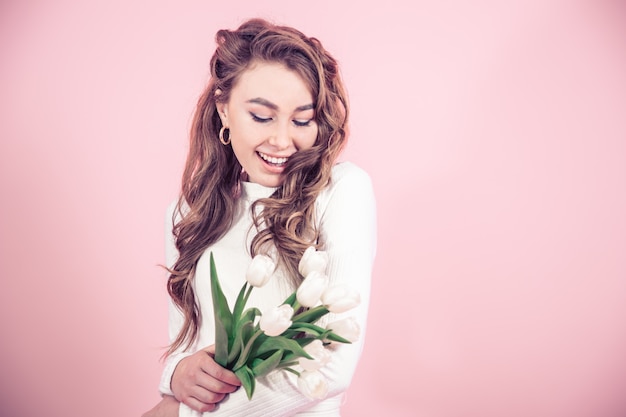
(346, 212)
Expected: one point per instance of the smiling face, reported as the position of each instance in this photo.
(270, 114)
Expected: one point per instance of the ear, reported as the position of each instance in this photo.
(221, 109)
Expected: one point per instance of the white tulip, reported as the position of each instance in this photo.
(347, 328)
(313, 385)
(311, 289)
(312, 260)
(260, 270)
(320, 355)
(276, 320)
(339, 298)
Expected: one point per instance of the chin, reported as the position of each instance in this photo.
(266, 179)
(270, 182)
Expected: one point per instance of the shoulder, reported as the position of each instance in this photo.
(349, 184)
(348, 173)
(346, 211)
(348, 178)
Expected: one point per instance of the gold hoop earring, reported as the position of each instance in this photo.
(221, 135)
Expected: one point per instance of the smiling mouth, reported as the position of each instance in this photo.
(278, 162)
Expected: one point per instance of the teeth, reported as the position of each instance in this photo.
(271, 159)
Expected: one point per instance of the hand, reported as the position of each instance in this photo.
(200, 382)
(167, 407)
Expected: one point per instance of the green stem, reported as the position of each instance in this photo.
(287, 365)
(245, 299)
(308, 313)
(243, 356)
(292, 371)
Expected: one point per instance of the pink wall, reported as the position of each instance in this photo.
(495, 133)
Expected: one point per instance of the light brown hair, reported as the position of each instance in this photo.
(212, 173)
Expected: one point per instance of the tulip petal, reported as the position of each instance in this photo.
(313, 385)
(311, 289)
(312, 260)
(340, 298)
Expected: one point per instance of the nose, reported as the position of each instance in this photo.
(280, 138)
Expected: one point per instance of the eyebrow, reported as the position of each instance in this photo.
(267, 103)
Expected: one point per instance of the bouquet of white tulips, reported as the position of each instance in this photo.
(284, 337)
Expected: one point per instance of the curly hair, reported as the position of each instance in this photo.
(212, 174)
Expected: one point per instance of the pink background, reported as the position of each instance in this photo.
(495, 134)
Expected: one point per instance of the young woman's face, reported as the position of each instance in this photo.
(270, 116)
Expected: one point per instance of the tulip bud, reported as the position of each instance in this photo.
(311, 289)
(313, 385)
(260, 270)
(276, 320)
(320, 355)
(340, 298)
(347, 328)
(312, 260)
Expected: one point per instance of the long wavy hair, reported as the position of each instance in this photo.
(212, 175)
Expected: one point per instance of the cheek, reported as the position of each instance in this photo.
(307, 139)
(245, 133)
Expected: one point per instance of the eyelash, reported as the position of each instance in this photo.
(259, 119)
(266, 120)
(302, 124)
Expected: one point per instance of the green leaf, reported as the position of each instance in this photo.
(238, 343)
(281, 342)
(303, 341)
(249, 316)
(246, 376)
(291, 357)
(291, 299)
(223, 318)
(312, 315)
(286, 364)
(293, 371)
(336, 338)
(288, 358)
(245, 351)
(240, 303)
(242, 299)
(307, 328)
(264, 367)
(244, 330)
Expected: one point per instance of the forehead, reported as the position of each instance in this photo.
(273, 82)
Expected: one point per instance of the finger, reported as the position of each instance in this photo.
(212, 384)
(198, 405)
(221, 374)
(207, 397)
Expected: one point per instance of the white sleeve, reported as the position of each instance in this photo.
(348, 233)
(175, 316)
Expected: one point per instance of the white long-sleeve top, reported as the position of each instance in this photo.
(346, 216)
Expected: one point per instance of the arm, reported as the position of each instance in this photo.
(347, 216)
(193, 378)
(167, 407)
(348, 234)
(175, 317)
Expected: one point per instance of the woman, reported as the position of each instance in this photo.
(262, 177)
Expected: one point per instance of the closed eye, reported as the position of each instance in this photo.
(302, 123)
(259, 119)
